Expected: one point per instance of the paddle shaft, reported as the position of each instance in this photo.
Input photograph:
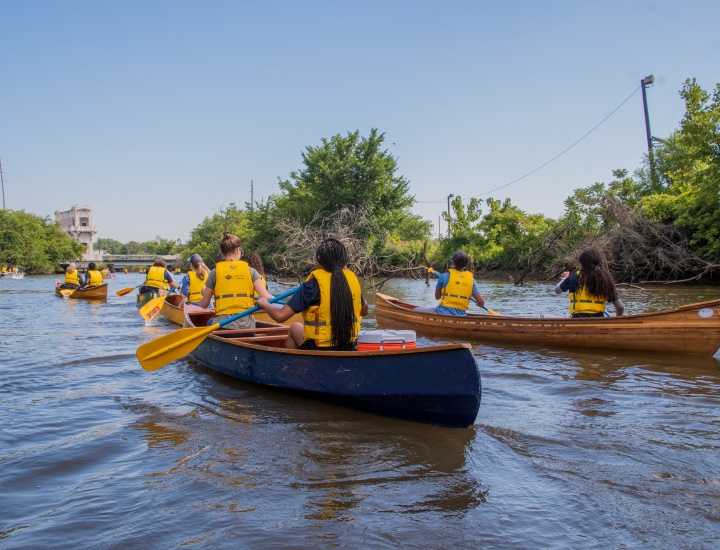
(161, 351)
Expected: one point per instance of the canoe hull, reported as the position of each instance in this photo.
(436, 385)
(690, 330)
(94, 293)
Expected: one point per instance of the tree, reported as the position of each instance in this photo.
(347, 172)
(35, 244)
(111, 246)
(689, 166)
(205, 238)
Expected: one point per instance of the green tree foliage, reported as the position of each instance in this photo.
(515, 239)
(34, 244)
(205, 238)
(688, 165)
(347, 172)
(110, 246)
(464, 232)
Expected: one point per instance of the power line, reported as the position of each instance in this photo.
(552, 159)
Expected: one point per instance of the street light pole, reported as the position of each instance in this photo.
(644, 83)
(450, 196)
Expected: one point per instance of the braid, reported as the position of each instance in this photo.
(332, 255)
(595, 276)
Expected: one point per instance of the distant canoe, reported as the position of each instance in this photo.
(172, 310)
(435, 384)
(689, 330)
(90, 293)
(12, 275)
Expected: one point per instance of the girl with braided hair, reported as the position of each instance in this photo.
(330, 301)
(591, 287)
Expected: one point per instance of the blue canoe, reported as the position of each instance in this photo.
(435, 384)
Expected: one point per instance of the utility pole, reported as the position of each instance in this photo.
(450, 196)
(439, 234)
(644, 83)
(3, 184)
(252, 196)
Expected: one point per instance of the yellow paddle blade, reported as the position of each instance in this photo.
(66, 292)
(491, 312)
(166, 349)
(152, 308)
(124, 291)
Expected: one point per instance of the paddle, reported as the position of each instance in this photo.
(153, 307)
(161, 351)
(66, 292)
(490, 311)
(124, 291)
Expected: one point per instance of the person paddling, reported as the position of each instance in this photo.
(193, 283)
(330, 301)
(232, 284)
(590, 287)
(455, 288)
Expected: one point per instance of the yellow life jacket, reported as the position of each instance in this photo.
(234, 288)
(4, 269)
(458, 291)
(317, 318)
(96, 278)
(582, 302)
(156, 278)
(72, 278)
(196, 287)
(264, 282)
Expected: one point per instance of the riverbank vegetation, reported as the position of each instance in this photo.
(658, 224)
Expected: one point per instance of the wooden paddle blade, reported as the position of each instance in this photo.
(124, 291)
(166, 349)
(152, 308)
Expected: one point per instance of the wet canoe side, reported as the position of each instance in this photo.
(436, 385)
(692, 329)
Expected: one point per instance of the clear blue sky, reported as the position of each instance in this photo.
(159, 113)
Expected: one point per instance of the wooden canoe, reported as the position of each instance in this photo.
(172, 310)
(690, 330)
(436, 385)
(91, 293)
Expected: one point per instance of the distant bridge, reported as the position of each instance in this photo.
(128, 260)
(119, 261)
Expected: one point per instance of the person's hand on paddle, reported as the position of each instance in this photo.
(565, 275)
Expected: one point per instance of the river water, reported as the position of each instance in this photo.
(570, 449)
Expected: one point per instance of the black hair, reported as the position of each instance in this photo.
(460, 260)
(93, 266)
(595, 276)
(255, 262)
(332, 255)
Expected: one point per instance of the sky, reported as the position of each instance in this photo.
(161, 113)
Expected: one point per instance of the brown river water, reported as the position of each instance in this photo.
(570, 449)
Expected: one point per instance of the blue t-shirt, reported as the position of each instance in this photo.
(443, 281)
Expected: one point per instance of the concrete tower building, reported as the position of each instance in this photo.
(78, 224)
